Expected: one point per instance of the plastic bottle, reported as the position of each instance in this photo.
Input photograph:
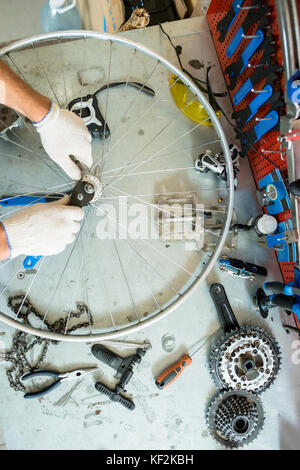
(58, 15)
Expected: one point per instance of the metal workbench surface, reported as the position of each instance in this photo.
(76, 416)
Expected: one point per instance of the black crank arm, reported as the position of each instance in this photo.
(226, 315)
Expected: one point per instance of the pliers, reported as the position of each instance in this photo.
(75, 374)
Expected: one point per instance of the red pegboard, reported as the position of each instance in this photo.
(260, 166)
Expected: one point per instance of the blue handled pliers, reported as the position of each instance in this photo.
(73, 375)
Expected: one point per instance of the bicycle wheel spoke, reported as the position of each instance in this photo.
(84, 252)
(155, 249)
(126, 279)
(64, 269)
(138, 165)
(185, 150)
(41, 65)
(30, 286)
(63, 71)
(159, 274)
(107, 97)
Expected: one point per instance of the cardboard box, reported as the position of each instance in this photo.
(105, 16)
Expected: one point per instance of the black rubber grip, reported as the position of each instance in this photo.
(226, 315)
(113, 396)
(284, 301)
(108, 357)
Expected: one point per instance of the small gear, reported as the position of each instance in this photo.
(247, 358)
(235, 418)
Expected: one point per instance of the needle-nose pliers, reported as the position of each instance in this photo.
(75, 374)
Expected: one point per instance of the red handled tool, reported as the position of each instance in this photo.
(170, 374)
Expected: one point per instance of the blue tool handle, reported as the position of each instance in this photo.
(265, 126)
(30, 261)
(242, 92)
(276, 239)
(40, 393)
(39, 373)
(235, 42)
(251, 48)
(260, 99)
(21, 200)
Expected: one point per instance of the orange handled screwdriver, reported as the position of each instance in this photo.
(172, 373)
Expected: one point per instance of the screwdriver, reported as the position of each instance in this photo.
(172, 373)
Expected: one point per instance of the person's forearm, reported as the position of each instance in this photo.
(17, 94)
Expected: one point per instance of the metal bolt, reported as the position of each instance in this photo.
(20, 275)
(80, 197)
(89, 188)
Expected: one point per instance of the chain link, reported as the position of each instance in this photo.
(21, 346)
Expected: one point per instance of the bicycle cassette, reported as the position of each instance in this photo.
(235, 418)
(247, 358)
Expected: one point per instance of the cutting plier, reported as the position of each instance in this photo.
(67, 376)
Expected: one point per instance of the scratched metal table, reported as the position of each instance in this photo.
(76, 416)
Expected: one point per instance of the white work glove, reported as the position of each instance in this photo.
(43, 229)
(64, 134)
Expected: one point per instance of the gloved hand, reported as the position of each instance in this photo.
(43, 229)
(64, 134)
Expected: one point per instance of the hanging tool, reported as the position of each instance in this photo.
(60, 378)
(124, 367)
(265, 70)
(268, 122)
(225, 23)
(243, 116)
(172, 373)
(273, 194)
(242, 269)
(87, 107)
(252, 17)
(262, 225)
(235, 69)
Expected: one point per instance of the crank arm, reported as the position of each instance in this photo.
(226, 315)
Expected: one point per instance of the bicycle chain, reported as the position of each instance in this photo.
(22, 307)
